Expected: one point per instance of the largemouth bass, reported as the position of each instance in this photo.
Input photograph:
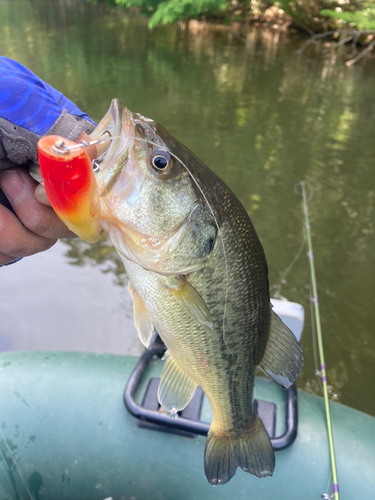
(198, 275)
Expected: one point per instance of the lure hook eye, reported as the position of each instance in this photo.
(96, 165)
(161, 162)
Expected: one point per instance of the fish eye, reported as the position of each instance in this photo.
(161, 162)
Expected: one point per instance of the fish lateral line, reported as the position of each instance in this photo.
(148, 141)
(248, 446)
(114, 176)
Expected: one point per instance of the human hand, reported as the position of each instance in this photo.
(31, 108)
(35, 228)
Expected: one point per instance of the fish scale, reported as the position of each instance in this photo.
(198, 274)
(231, 357)
(183, 337)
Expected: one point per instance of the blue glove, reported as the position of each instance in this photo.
(29, 109)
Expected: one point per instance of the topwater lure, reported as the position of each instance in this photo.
(70, 184)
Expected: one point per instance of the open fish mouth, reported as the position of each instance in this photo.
(114, 126)
(116, 135)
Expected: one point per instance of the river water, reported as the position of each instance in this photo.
(263, 120)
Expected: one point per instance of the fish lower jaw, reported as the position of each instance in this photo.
(126, 254)
(155, 256)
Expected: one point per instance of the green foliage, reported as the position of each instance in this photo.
(312, 16)
(169, 11)
(363, 19)
(305, 13)
(174, 10)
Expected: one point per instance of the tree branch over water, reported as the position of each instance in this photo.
(346, 37)
(350, 20)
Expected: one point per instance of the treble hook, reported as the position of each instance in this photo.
(61, 148)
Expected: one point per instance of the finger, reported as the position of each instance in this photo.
(5, 259)
(91, 150)
(41, 195)
(16, 240)
(19, 188)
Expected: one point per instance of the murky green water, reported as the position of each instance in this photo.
(263, 120)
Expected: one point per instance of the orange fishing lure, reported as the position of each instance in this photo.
(71, 187)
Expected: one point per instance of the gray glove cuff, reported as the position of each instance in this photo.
(18, 145)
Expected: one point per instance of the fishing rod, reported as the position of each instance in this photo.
(323, 375)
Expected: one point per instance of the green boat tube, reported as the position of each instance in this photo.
(66, 433)
(78, 426)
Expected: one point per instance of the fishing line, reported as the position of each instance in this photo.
(282, 281)
(61, 148)
(312, 316)
(216, 223)
(315, 302)
(15, 464)
(277, 288)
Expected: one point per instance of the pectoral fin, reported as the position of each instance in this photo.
(188, 297)
(282, 359)
(175, 389)
(142, 320)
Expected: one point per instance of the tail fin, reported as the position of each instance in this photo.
(252, 451)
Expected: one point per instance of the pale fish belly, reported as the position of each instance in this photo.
(237, 437)
(198, 352)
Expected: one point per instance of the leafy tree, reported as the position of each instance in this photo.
(312, 16)
(169, 11)
(363, 18)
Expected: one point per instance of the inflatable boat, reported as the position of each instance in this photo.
(78, 426)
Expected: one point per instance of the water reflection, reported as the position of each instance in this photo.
(263, 120)
(81, 254)
(48, 304)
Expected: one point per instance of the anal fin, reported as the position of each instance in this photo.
(142, 320)
(175, 389)
(283, 358)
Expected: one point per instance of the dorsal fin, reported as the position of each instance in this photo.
(142, 320)
(282, 359)
(175, 389)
